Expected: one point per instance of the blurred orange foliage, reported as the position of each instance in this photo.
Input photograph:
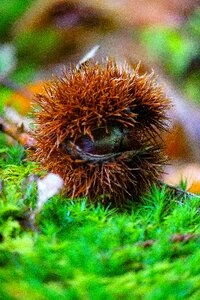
(21, 100)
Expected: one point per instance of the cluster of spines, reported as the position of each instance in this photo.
(95, 96)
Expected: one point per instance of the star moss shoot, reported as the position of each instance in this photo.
(99, 128)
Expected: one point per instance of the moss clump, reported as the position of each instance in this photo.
(85, 251)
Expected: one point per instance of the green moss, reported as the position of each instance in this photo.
(85, 251)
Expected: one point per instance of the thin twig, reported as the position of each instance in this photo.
(175, 238)
(23, 138)
(12, 116)
(89, 55)
(178, 192)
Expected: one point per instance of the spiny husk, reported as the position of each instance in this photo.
(101, 96)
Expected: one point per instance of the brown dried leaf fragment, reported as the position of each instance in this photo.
(178, 237)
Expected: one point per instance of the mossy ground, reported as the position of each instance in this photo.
(84, 251)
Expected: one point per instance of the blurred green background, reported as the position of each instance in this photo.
(50, 33)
